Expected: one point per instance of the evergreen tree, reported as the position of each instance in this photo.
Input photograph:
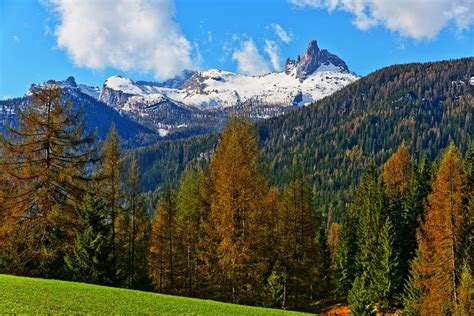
(413, 290)
(383, 275)
(466, 245)
(345, 255)
(414, 204)
(91, 257)
(373, 260)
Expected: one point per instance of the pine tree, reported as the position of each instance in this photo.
(414, 204)
(383, 275)
(91, 257)
(438, 238)
(367, 207)
(413, 290)
(344, 259)
(44, 160)
(466, 244)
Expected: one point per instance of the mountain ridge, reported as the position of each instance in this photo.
(198, 102)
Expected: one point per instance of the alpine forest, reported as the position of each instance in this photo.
(362, 201)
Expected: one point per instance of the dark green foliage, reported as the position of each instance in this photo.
(414, 203)
(466, 245)
(412, 292)
(383, 275)
(164, 162)
(91, 258)
(366, 258)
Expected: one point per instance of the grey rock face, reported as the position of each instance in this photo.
(312, 59)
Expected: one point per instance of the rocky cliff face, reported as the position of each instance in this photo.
(314, 60)
(112, 97)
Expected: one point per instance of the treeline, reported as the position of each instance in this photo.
(72, 209)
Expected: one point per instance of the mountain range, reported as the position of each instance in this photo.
(197, 102)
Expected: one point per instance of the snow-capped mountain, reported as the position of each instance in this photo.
(315, 75)
(97, 115)
(197, 102)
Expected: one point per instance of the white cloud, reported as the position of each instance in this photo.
(128, 35)
(249, 61)
(418, 19)
(284, 36)
(273, 51)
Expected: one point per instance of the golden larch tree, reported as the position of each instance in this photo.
(237, 209)
(396, 171)
(438, 238)
(44, 159)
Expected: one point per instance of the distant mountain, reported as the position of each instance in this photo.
(426, 105)
(314, 60)
(204, 99)
(97, 114)
(198, 102)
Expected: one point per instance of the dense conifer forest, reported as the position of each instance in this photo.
(364, 198)
(426, 105)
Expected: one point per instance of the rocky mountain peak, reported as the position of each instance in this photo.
(314, 59)
(70, 81)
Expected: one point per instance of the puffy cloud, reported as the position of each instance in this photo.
(249, 61)
(273, 51)
(128, 35)
(419, 19)
(283, 35)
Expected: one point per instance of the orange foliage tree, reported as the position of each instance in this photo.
(435, 269)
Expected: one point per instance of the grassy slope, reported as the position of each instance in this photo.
(29, 295)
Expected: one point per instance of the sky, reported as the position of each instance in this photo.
(156, 39)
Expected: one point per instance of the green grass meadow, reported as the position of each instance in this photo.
(20, 295)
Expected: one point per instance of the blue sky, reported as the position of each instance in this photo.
(155, 39)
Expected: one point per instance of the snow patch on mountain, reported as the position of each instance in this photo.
(125, 85)
(216, 89)
(316, 74)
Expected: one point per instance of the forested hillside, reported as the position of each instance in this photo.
(71, 208)
(427, 105)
